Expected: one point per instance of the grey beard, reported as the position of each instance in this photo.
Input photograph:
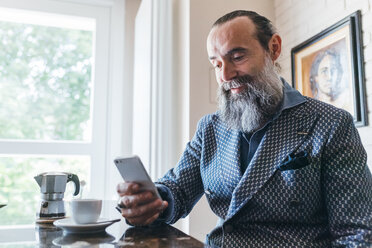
(260, 100)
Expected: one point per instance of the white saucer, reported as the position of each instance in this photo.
(69, 226)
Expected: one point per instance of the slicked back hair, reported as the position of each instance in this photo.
(264, 28)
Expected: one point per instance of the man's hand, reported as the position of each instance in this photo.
(139, 208)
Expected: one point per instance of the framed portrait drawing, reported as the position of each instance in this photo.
(329, 67)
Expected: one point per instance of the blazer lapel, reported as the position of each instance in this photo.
(285, 135)
(228, 141)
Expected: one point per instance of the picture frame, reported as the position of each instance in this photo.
(330, 67)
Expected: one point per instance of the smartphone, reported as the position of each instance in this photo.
(132, 170)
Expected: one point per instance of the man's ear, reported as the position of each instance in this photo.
(275, 46)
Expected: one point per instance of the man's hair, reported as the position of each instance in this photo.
(264, 28)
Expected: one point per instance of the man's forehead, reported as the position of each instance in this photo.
(233, 32)
(328, 60)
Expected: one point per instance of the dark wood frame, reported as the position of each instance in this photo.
(356, 57)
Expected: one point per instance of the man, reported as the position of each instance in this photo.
(278, 169)
(325, 75)
(326, 80)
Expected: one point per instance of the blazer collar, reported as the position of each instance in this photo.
(285, 135)
(229, 140)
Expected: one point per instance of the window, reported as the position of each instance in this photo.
(45, 77)
(53, 99)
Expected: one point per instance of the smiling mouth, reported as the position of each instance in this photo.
(237, 90)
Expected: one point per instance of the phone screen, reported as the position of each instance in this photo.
(132, 170)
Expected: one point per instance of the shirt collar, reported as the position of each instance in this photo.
(291, 97)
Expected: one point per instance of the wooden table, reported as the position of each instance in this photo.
(117, 235)
(154, 236)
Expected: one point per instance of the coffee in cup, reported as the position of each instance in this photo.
(85, 211)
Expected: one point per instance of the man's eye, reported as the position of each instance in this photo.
(324, 71)
(237, 58)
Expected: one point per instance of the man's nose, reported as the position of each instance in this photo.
(228, 72)
(329, 75)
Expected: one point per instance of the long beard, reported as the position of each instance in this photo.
(260, 99)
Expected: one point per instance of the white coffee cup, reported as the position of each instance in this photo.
(86, 211)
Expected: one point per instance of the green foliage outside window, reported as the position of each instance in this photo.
(45, 82)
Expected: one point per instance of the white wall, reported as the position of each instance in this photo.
(292, 20)
(120, 98)
(143, 43)
(202, 16)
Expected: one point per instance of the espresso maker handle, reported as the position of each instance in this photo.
(75, 179)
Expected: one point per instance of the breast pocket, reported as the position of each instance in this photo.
(301, 183)
(295, 161)
(298, 178)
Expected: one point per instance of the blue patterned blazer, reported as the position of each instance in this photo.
(308, 184)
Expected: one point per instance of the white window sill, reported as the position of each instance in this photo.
(17, 234)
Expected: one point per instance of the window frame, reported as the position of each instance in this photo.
(96, 148)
